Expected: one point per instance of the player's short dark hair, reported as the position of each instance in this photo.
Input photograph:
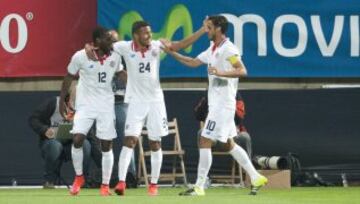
(219, 21)
(137, 25)
(99, 32)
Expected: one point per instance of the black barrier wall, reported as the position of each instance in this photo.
(321, 126)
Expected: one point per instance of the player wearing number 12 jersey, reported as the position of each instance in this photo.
(94, 102)
(145, 98)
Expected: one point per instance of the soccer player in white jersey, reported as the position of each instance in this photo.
(145, 98)
(224, 69)
(94, 103)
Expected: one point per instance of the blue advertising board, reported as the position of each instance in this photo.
(280, 38)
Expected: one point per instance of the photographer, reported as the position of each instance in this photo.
(44, 121)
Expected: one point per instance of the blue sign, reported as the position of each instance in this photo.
(280, 38)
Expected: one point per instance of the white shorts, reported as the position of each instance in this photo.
(105, 123)
(152, 114)
(220, 125)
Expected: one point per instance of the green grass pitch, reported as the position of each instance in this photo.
(309, 195)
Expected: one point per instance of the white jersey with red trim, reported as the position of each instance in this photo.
(143, 84)
(222, 90)
(94, 89)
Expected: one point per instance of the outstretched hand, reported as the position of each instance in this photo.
(205, 24)
(166, 45)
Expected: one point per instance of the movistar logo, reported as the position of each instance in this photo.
(178, 17)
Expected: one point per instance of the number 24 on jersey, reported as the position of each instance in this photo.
(144, 67)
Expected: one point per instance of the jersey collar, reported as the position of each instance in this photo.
(137, 48)
(101, 59)
(213, 48)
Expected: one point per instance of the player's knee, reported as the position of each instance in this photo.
(106, 145)
(78, 140)
(130, 141)
(228, 146)
(155, 145)
(205, 142)
(225, 147)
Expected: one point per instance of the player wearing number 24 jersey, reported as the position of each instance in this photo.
(145, 98)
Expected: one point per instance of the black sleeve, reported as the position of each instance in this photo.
(39, 120)
(238, 96)
(201, 109)
(123, 62)
(238, 121)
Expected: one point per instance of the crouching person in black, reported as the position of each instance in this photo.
(44, 121)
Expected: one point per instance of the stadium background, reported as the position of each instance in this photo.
(288, 110)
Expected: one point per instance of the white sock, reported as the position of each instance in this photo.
(205, 161)
(156, 162)
(243, 159)
(124, 161)
(77, 156)
(107, 166)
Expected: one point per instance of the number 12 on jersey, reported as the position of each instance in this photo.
(102, 77)
(143, 67)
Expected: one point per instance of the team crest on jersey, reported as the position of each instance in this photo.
(154, 53)
(112, 64)
(217, 55)
(91, 66)
(132, 55)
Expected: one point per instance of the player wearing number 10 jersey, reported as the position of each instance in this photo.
(224, 68)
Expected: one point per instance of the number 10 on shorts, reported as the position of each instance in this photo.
(210, 125)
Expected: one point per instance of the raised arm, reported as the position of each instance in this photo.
(188, 61)
(186, 42)
(182, 44)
